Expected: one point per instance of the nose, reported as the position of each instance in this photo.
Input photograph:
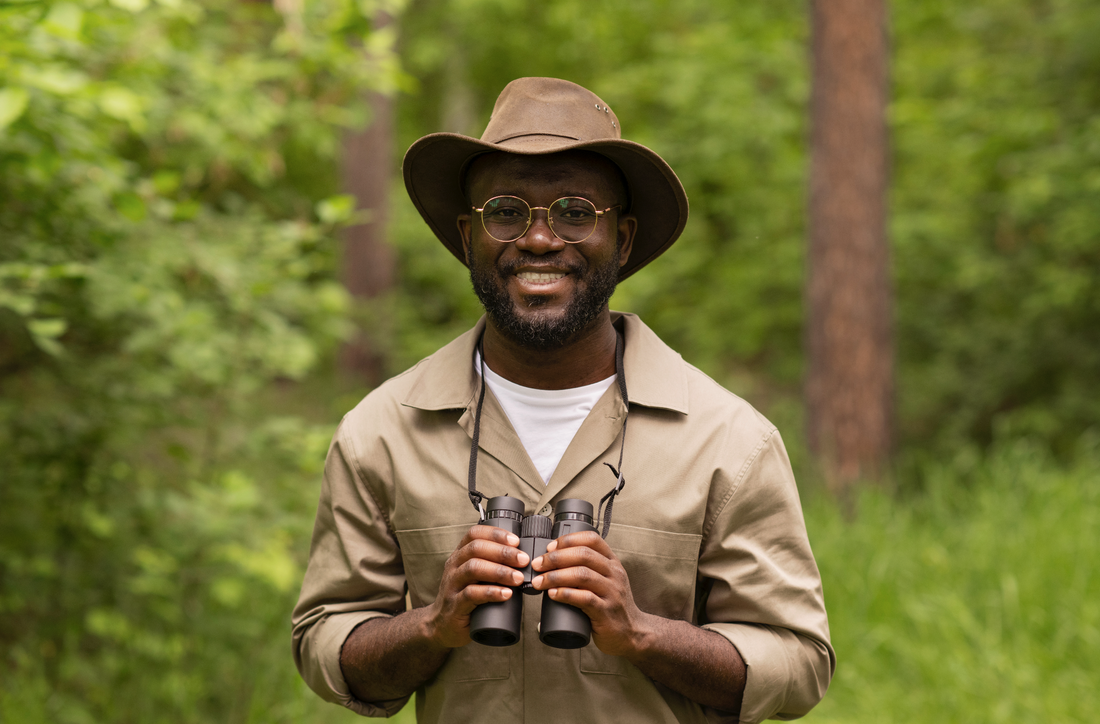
(540, 238)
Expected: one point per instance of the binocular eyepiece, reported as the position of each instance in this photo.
(560, 625)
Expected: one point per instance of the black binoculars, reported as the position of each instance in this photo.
(560, 625)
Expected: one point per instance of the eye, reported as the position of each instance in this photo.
(506, 210)
(574, 210)
(503, 214)
(576, 214)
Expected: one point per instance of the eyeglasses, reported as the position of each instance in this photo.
(572, 219)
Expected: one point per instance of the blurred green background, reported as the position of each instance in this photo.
(170, 313)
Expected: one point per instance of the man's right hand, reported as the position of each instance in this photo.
(481, 570)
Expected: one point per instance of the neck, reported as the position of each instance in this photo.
(586, 359)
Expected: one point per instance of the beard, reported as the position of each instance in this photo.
(544, 331)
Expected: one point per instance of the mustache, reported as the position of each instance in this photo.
(544, 260)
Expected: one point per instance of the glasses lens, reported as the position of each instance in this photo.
(506, 217)
(573, 218)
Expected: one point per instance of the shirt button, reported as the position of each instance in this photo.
(546, 510)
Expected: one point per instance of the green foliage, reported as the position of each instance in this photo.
(976, 600)
(166, 254)
(995, 220)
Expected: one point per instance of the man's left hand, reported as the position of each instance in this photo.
(581, 569)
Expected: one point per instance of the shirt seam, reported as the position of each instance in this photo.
(357, 469)
(741, 475)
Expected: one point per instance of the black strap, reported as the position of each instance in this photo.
(477, 497)
(620, 481)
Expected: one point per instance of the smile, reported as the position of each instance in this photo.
(540, 277)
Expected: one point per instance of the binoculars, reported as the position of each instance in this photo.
(560, 625)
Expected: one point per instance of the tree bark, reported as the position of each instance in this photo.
(369, 264)
(849, 334)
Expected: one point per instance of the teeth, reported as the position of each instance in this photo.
(540, 276)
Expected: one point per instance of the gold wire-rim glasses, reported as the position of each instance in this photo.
(590, 208)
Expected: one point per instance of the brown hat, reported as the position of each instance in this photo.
(535, 116)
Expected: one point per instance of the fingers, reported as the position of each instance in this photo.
(580, 561)
(584, 578)
(577, 549)
(492, 544)
(489, 533)
(589, 539)
(486, 556)
(474, 595)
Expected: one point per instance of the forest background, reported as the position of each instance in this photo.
(170, 315)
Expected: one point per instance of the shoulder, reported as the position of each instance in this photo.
(660, 379)
(445, 380)
(712, 401)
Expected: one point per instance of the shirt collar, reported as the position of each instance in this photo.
(655, 373)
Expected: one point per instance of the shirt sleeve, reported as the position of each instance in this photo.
(354, 574)
(765, 592)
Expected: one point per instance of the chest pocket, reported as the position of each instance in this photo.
(662, 569)
(424, 552)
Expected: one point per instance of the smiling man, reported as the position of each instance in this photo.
(702, 596)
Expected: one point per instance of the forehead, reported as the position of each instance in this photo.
(570, 173)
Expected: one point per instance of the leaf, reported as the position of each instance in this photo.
(336, 209)
(130, 205)
(48, 328)
(134, 6)
(55, 79)
(64, 20)
(123, 104)
(166, 182)
(186, 210)
(21, 304)
(13, 101)
(45, 332)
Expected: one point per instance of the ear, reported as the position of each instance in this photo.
(627, 228)
(464, 230)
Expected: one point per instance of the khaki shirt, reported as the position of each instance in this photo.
(708, 527)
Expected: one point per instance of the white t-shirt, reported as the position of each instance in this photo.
(545, 420)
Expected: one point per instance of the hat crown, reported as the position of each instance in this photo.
(538, 110)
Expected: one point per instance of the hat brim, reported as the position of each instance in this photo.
(433, 168)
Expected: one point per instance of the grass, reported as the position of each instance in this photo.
(975, 600)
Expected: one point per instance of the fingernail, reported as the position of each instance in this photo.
(537, 563)
(552, 546)
(517, 577)
(537, 582)
(523, 558)
(506, 593)
(513, 539)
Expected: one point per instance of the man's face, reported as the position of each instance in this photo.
(538, 290)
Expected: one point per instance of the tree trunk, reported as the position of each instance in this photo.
(850, 377)
(369, 265)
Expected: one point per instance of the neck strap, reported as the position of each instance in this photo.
(476, 497)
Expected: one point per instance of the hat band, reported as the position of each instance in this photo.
(533, 138)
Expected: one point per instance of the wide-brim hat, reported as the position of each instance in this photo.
(535, 116)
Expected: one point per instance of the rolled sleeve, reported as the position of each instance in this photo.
(786, 674)
(354, 574)
(765, 592)
(317, 654)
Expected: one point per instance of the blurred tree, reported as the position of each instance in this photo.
(368, 268)
(849, 305)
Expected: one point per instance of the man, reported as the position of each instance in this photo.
(704, 598)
